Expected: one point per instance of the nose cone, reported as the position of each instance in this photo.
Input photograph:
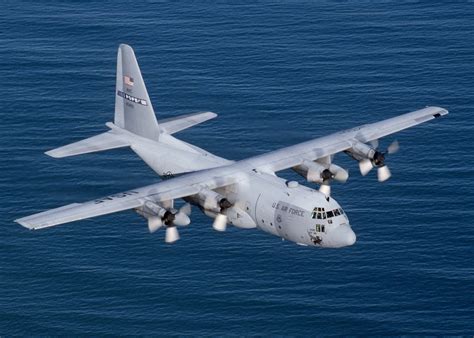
(341, 236)
(350, 237)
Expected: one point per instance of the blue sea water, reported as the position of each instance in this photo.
(277, 73)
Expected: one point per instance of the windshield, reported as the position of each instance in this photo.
(321, 213)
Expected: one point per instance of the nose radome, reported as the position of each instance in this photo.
(350, 237)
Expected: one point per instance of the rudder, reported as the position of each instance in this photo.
(133, 109)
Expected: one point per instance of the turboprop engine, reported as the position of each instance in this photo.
(370, 156)
(159, 216)
(322, 174)
(222, 210)
(214, 205)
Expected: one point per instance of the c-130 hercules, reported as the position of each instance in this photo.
(246, 193)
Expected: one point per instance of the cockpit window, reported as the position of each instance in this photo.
(318, 213)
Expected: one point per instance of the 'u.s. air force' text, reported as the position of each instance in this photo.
(290, 210)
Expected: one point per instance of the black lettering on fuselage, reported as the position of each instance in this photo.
(297, 212)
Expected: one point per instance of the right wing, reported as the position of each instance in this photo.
(178, 187)
(329, 145)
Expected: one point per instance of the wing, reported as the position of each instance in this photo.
(312, 150)
(193, 183)
(178, 187)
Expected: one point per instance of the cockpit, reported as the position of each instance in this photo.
(321, 213)
(331, 228)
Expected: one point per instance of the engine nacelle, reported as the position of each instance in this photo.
(151, 209)
(311, 171)
(318, 173)
(361, 151)
(211, 201)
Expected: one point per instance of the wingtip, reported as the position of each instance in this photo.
(52, 153)
(124, 46)
(24, 224)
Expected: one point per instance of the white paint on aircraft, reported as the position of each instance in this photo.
(246, 194)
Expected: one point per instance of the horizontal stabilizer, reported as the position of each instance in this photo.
(104, 141)
(175, 124)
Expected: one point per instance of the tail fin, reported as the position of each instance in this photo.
(133, 109)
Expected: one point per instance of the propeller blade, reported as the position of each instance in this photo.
(172, 234)
(154, 223)
(393, 147)
(375, 143)
(186, 209)
(325, 189)
(220, 222)
(365, 166)
(383, 173)
(181, 219)
(340, 175)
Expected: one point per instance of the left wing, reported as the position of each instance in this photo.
(178, 187)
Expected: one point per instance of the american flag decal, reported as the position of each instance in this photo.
(128, 80)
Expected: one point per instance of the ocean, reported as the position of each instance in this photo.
(277, 73)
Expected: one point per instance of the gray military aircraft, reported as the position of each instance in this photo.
(246, 193)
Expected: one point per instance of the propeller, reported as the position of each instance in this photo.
(172, 234)
(154, 223)
(378, 160)
(171, 219)
(334, 172)
(220, 222)
(383, 173)
(325, 188)
(365, 166)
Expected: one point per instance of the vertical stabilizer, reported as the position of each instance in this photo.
(133, 109)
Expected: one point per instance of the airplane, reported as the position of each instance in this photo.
(247, 193)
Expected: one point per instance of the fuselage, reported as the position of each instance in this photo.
(292, 211)
(261, 200)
